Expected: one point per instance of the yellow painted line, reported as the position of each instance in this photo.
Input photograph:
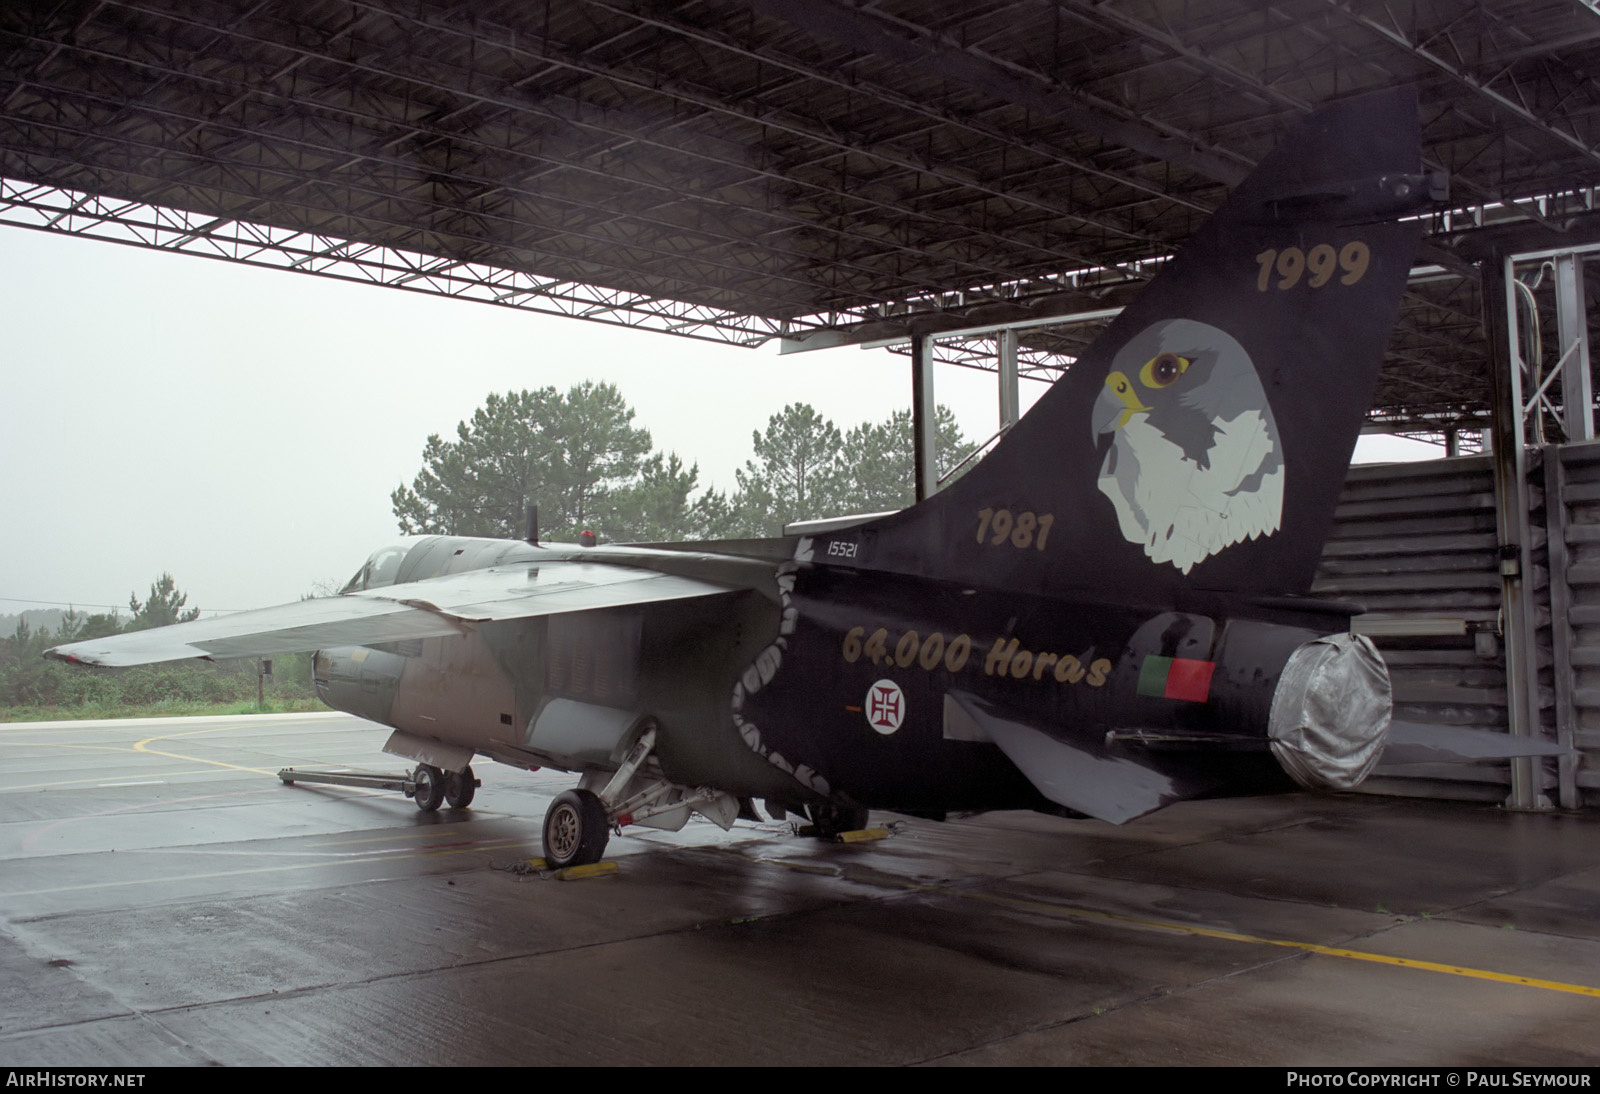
(1434, 966)
(1284, 943)
(172, 879)
(97, 780)
(1065, 911)
(209, 763)
(139, 746)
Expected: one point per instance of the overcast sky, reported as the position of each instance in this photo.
(243, 428)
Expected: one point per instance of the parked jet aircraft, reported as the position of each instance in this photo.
(1106, 615)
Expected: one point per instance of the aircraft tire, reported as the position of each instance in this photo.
(460, 789)
(430, 787)
(832, 817)
(575, 830)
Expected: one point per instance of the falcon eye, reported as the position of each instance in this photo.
(1163, 369)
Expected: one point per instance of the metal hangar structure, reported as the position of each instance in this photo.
(984, 183)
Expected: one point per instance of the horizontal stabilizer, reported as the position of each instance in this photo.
(1084, 776)
(1422, 743)
(421, 609)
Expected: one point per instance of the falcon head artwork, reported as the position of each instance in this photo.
(1192, 460)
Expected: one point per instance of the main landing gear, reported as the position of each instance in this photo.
(579, 823)
(833, 817)
(576, 829)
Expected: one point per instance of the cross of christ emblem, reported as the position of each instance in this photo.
(886, 706)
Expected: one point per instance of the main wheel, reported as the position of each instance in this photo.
(430, 787)
(575, 830)
(834, 816)
(459, 789)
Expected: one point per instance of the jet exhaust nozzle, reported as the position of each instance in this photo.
(1330, 712)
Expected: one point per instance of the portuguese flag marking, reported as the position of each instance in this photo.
(1176, 678)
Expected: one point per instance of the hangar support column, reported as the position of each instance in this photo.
(1527, 400)
(1005, 345)
(1511, 523)
(1572, 332)
(924, 431)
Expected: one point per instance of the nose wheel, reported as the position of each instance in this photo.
(575, 830)
(430, 783)
(460, 787)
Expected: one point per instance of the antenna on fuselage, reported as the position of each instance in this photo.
(533, 525)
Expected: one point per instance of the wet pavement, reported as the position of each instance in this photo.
(164, 900)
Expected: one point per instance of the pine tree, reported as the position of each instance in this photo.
(164, 606)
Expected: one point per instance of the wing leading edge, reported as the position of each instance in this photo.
(423, 609)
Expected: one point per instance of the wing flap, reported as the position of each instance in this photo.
(424, 609)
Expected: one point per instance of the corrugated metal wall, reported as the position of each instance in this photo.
(1416, 544)
(1571, 473)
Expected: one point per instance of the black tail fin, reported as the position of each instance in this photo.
(1203, 439)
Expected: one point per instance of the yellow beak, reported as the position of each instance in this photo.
(1117, 401)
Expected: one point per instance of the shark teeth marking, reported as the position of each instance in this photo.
(759, 673)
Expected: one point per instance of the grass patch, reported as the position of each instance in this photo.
(168, 708)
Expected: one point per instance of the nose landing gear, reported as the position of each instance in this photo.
(429, 794)
(429, 786)
(460, 788)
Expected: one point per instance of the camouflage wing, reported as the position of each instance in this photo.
(423, 609)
